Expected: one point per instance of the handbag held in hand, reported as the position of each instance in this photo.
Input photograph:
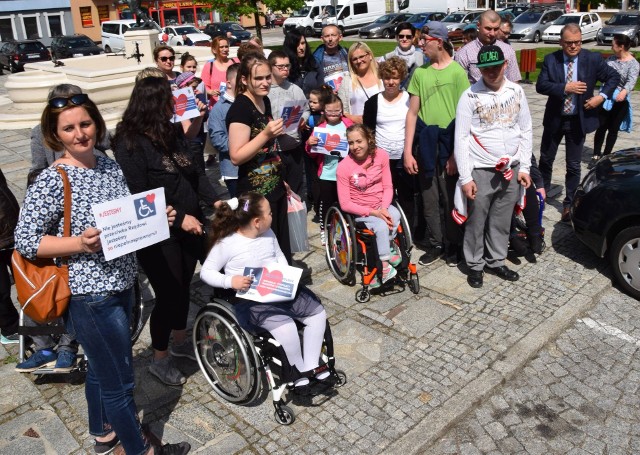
(42, 286)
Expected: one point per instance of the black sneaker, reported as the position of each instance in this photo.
(106, 447)
(431, 256)
(453, 257)
(181, 448)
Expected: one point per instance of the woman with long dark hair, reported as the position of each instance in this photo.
(153, 152)
(304, 70)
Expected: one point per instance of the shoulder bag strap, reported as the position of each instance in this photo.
(67, 201)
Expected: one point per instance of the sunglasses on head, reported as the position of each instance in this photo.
(76, 100)
(164, 59)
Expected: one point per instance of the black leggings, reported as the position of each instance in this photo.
(170, 265)
(328, 197)
(610, 122)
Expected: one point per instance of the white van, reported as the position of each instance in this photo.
(304, 17)
(113, 34)
(352, 14)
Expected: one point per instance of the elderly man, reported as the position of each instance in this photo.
(488, 29)
(493, 140)
(568, 77)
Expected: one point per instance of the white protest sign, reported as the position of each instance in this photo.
(291, 115)
(335, 80)
(330, 142)
(272, 283)
(132, 222)
(185, 106)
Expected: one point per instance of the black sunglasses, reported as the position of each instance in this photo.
(76, 100)
(164, 59)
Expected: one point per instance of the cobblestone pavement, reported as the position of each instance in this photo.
(417, 364)
(579, 395)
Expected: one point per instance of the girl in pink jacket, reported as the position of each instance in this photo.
(365, 190)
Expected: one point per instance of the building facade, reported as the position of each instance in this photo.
(35, 19)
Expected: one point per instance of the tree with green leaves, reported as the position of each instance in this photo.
(253, 8)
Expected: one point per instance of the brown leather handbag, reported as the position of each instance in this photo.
(42, 286)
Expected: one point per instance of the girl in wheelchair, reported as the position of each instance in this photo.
(242, 237)
(365, 190)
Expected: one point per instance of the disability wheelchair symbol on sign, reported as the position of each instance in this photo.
(144, 207)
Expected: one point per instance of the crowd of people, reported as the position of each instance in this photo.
(447, 133)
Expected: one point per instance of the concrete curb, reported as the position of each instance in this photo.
(469, 397)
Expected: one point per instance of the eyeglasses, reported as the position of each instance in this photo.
(405, 36)
(283, 66)
(333, 112)
(164, 59)
(355, 59)
(76, 100)
(428, 38)
(572, 43)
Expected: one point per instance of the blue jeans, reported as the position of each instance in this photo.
(101, 325)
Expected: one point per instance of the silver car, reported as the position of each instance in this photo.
(384, 26)
(623, 24)
(530, 25)
(458, 20)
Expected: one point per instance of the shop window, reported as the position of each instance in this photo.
(103, 13)
(85, 16)
(170, 17)
(6, 31)
(186, 16)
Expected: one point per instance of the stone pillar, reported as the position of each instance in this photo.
(147, 41)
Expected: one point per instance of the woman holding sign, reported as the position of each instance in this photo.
(242, 239)
(101, 290)
(154, 152)
(253, 143)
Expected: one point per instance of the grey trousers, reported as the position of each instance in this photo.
(486, 236)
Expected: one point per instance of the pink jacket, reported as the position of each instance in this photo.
(319, 157)
(363, 187)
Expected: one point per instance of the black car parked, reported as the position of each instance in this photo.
(14, 54)
(606, 215)
(236, 31)
(74, 46)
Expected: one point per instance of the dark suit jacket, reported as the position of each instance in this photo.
(552, 80)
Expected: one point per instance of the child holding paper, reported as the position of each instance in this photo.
(242, 237)
(336, 124)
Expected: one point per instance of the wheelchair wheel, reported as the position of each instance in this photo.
(284, 415)
(136, 322)
(340, 245)
(363, 295)
(406, 228)
(414, 283)
(342, 379)
(226, 354)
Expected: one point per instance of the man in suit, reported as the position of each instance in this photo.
(568, 78)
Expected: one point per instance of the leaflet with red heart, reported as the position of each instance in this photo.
(291, 114)
(330, 142)
(185, 106)
(272, 283)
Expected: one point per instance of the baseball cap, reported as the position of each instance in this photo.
(436, 29)
(490, 55)
(184, 78)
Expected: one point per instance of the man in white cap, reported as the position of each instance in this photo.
(493, 141)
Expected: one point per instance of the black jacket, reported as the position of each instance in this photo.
(9, 211)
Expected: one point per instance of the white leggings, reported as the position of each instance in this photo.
(287, 335)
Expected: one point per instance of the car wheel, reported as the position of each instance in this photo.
(13, 68)
(635, 41)
(107, 49)
(308, 31)
(625, 260)
(536, 37)
(386, 33)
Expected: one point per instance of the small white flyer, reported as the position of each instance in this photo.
(291, 114)
(272, 283)
(335, 80)
(132, 222)
(185, 106)
(330, 143)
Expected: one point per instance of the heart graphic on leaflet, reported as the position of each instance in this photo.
(181, 104)
(338, 82)
(269, 282)
(292, 117)
(332, 142)
(150, 198)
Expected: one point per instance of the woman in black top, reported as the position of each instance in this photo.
(153, 152)
(304, 70)
(253, 144)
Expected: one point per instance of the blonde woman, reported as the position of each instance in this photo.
(363, 81)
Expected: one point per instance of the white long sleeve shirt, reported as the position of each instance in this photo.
(490, 126)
